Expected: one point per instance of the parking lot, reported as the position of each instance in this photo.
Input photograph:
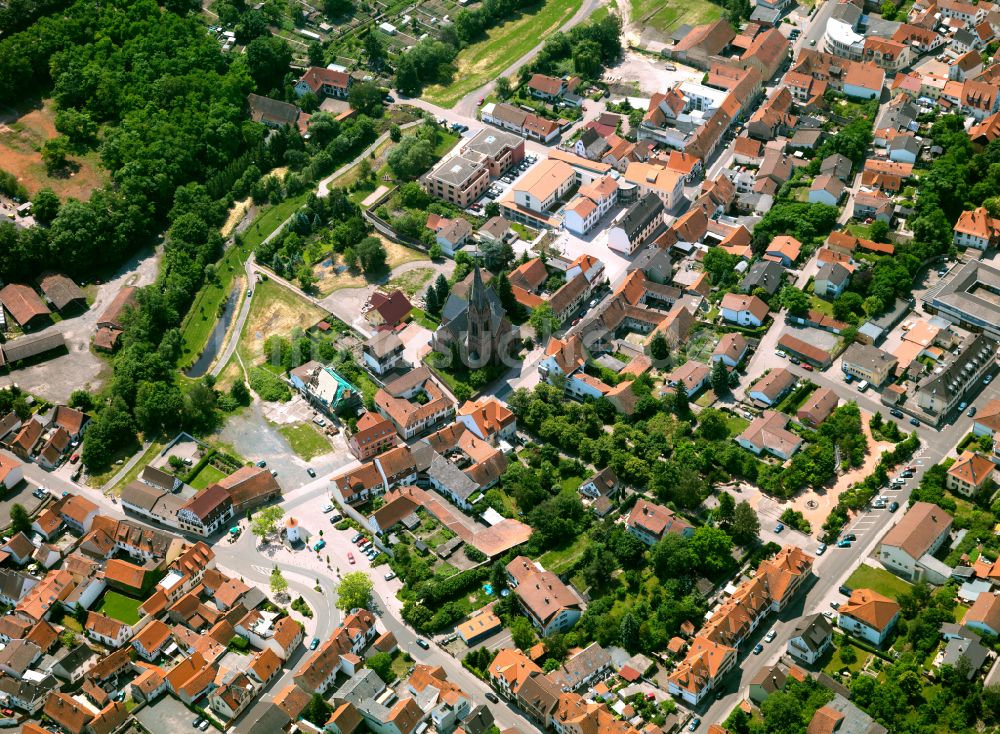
(499, 186)
(167, 714)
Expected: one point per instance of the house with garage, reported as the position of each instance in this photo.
(868, 615)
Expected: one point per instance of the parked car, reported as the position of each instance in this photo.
(821, 549)
(350, 558)
(896, 413)
(914, 422)
(74, 458)
(835, 605)
(390, 576)
(795, 360)
(863, 385)
(850, 536)
(769, 637)
(893, 506)
(261, 463)
(328, 507)
(807, 367)
(695, 723)
(843, 544)
(829, 615)
(492, 697)
(988, 379)
(357, 537)
(320, 545)
(203, 726)
(848, 379)
(779, 527)
(758, 649)
(972, 411)
(197, 722)
(423, 644)
(780, 353)
(963, 405)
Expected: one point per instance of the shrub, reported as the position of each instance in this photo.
(268, 386)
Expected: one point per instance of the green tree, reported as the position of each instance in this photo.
(658, 347)
(240, 393)
(20, 522)
(879, 231)
(492, 209)
(68, 639)
(374, 50)
(81, 400)
(396, 134)
(371, 255)
(45, 206)
(159, 406)
(502, 87)
(679, 402)
(266, 521)
(268, 58)
(410, 157)
(719, 378)
(522, 634)
(278, 583)
(543, 321)
(317, 711)
(55, 154)
(316, 53)
(431, 304)
(847, 654)
(381, 663)
(713, 548)
(725, 513)
(673, 557)
(354, 592)
(630, 632)
(795, 300)
(746, 525)
(366, 98)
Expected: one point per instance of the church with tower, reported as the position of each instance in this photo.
(476, 323)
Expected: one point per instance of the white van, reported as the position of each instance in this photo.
(863, 385)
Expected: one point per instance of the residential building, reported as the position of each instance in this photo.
(382, 352)
(867, 362)
(206, 512)
(773, 386)
(388, 310)
(765, 274)
(463, 177)
(106, 630)
(649, 522)
(249, 487)
(516, 120)
(922, 531)
(940, 392)
(323, 83)
(831, 280)
(810, 639)
(742, 309)
(152, 639)
(817, 407)
(730, 350)
(654, 178)
(826, 189)
(984, 615)
(551, 605)
(868, 615)
(970, 474)
(324, 387)
(415, 402)
(635, 226)
(488, 419)
(768, 434)
(976, 229)
(701, 670)
(373, 435)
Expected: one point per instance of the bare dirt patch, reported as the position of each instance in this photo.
(239, 209)
(22, 134)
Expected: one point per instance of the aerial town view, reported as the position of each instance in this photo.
(500, 366)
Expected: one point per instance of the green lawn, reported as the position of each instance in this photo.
(667, 15)
(118, 606)
(98, 480)
(560, 560)
(202, 315)
(736, 424)
(571, 484)
(878, 580)
(207, 475)
(834, 664)
(503, 45)
(305, 440)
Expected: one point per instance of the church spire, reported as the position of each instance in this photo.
(477, 295)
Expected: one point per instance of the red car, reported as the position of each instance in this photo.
(74, 458)
(807, 367)
(350, 558)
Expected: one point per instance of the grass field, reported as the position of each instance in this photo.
(305, 440)
(118, 606)
(503, 45)
(203, 314)
(667, 15)
(99, 480)
(878, 580)
(207, 475)
(561, 560)
(275, 310)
